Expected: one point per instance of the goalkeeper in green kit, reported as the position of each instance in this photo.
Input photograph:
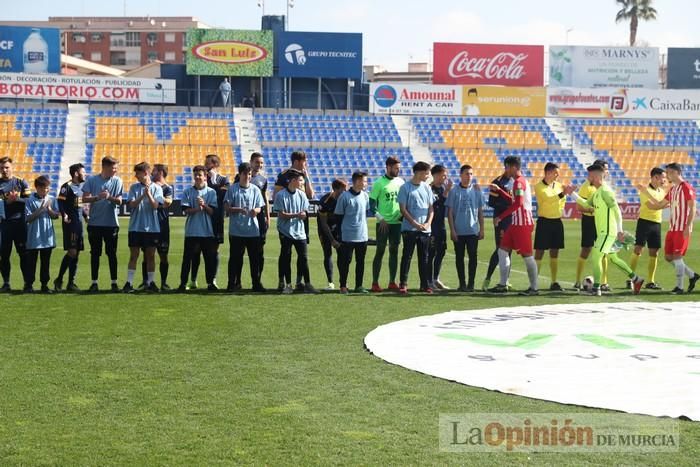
(608, 223)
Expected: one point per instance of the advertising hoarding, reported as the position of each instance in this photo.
(319, 55)
(87, 88)
(30, 50)
(603, 67)
(229, 52)
(489, 64)
(683, 71)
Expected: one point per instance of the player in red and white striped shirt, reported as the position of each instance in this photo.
(681, 200)
(518, 236)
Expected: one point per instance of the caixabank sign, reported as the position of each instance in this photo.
(623, 103)
(319, 55)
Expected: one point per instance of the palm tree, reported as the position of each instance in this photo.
(634, 10)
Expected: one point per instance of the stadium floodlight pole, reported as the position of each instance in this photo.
(261, 4)
(567, 35)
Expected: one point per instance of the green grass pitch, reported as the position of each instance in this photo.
(203, 379)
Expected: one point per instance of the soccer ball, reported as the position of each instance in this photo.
(587, 284)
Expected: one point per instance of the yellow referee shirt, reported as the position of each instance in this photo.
(651, 215)
(586, 192)
(550, 199)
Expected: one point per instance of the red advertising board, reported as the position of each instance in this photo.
(489, 64)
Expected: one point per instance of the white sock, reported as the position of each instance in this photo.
(94, 282)
(130, 275)
(151, 277)
(689, 272)
(680, 272)
(503, 266)
(531, 267)
(114, 282)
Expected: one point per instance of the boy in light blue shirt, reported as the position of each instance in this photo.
(39, 209)
(243, 203)
(103, 193)
(291, 205)
(199, 203)
(353, 206)
(416, 205)
(144, 225)
(465, 214)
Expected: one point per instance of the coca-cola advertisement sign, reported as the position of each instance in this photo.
(504, 65)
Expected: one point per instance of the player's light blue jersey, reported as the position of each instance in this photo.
(417, 199)
(40, 232)
(103, 213)
(198, 224)
(144, 218)
(464, 203)
(291, 203)
(353, 207)
(250, 197)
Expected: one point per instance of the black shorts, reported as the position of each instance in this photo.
(648, 234)
(73, 238)
(143, 239)
(588, 232)
(549, 234)
(97, 235)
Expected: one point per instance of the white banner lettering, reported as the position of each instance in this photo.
(87, 88)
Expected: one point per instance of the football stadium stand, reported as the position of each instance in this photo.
(339, 143)
(327, 164)
(634, 147)
(483, 143)
(326, 130)
(33, 137)
(178, 139)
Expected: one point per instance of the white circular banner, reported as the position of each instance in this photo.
(635, 357)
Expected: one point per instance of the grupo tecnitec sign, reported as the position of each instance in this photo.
(319, 55)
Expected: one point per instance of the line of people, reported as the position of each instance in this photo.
(412, 213)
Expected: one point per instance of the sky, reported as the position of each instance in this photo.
(397, 32)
